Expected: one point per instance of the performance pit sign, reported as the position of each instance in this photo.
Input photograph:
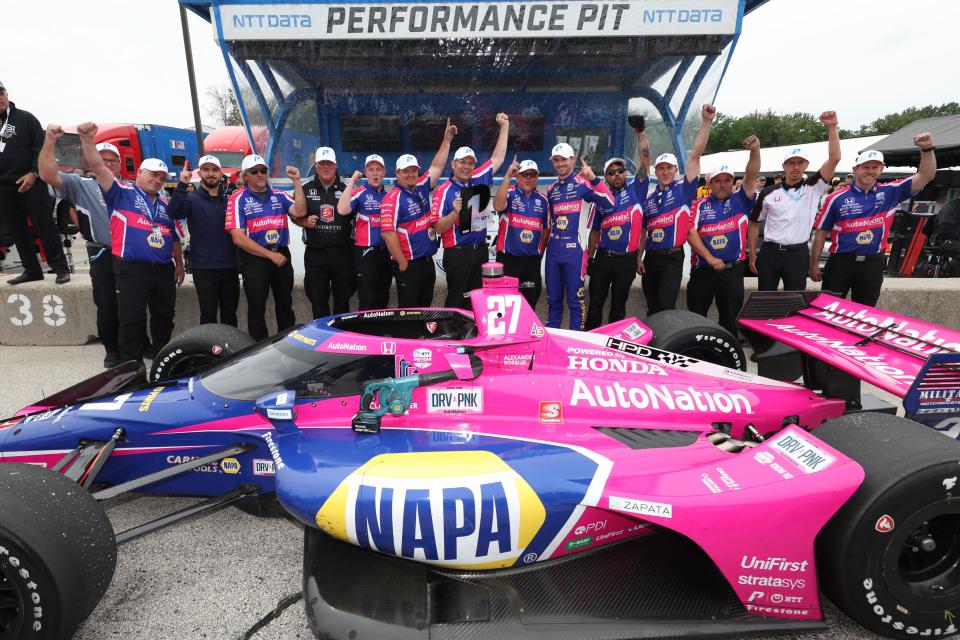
(520, 19)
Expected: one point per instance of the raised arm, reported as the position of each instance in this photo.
(928, 162)
(752, 144)
(709, 114)
(500, 150)
(47, 164)
(344, 207)
(87, 131)
(500, 199)
(829, 167)
(299, 208)
(643, 155)
(440, 160)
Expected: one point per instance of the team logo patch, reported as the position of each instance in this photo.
(562, 222)
(657, 235)
(230, 465)
(865, 237)
(526, 236)
(551, 412)
(463, 509)
(326, 213)
(432, 234)
(272, 236)
(615, 232)
(155, 239)
(718, 242)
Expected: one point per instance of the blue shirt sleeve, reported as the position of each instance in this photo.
(112, 195)
(903, 191)
(689, 191)
(180, 205)
(827, 216)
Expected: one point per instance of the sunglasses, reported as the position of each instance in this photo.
(528, 174)
(613, 172)
(256, 171)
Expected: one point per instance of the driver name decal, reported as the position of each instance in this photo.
(657, 396)
(803, 453)
(455, 400)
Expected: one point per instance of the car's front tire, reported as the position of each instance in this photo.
(691, 334)
(196, 348)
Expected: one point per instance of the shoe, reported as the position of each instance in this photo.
(111, 360)
(63, 277)
(25, 277)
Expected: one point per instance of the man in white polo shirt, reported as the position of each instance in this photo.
(789, 210)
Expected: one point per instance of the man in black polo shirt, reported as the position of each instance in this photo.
(328, 258)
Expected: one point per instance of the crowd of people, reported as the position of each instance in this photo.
(360, 237)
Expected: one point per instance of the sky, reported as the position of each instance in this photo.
(117, 61)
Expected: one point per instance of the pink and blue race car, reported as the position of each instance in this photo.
(476, 475)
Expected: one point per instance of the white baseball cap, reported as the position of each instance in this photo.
(374, 158)
(870, 155)
(325, 154)
(106, 146)
(563, 150)
(667, 158)
(796, 152)
(209, 160)
(153, 164)
(719, 171)
(407, 160)
(251, 161)
(464, 152)
(606, 165)
(528, 165)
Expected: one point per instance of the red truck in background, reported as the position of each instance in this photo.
(230, 145)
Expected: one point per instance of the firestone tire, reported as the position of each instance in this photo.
(196, 348)
(57, 554)
(690, 334)
(890, 557)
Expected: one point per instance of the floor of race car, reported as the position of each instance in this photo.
(222, 576)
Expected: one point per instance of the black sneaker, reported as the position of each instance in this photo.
(26, 276)
(63, 277)
(111, 360)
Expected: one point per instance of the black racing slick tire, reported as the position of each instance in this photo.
(690, 334)
(890, 557)
(196, 348)
(57, 554)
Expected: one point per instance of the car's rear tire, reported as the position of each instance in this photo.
(57, 553)
(691, 334)
(890, 557)
(196, 348)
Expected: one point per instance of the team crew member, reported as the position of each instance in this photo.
(789, 210)
(407, 225)
(522, 235)
(328, 257)
(667, 223)
(464, 253)
(23, 196)
(214, 257)
(858, 219)
(721, 221)
(94, 222)
(370, 256)
(143, 234)
(566, 261)
(257, 221)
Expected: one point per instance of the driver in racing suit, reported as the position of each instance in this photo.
(566, 261)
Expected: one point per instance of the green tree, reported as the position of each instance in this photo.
(772, 128)
(893, 121)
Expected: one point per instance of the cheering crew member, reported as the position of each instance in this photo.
(24, 197)
(522, 235)
(370, 257)
(789, 209)
(143, 234)
(257, 221)
(858, 219)
(721, 221)
(214, 255)
(666, 221)
(94, 222)
(464, 253)
(566, 261)
(328, 257)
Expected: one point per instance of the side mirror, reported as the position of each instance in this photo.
(465, 366)
(279, 408)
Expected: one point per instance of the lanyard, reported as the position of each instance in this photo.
(151, 209)
(799, 190)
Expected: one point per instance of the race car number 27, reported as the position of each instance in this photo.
(498, 308)
(53, 313)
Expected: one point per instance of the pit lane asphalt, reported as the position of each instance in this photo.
(219, 576)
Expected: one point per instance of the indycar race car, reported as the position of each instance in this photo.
(476, 475)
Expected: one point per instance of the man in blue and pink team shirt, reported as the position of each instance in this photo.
(464, 253)
(666, 220)
(858, 219)
(721, 221)
(407, 225)
(523, 222)
(256, 219)
(569, 197)
(370, 256)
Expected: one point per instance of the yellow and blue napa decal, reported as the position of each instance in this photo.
(459, 509)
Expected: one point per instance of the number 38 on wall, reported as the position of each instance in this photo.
(53, 313)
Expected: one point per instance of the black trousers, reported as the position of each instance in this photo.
(661, 280)
(217, 289)
(610, 272)
(105, 297)
(326, 270)
(261, 277)
(725, 287)
(37, 206)
(791, 266)
(527, 270)
(415, 285)
(462, 266)
(143, 285)
(373, 276)
(863, 280)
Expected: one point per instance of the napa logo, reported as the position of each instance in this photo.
(658, 235)
(459, 509)
(615, 233)
(865, 237)
(718, 242)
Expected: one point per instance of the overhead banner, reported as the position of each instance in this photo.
(521, 19)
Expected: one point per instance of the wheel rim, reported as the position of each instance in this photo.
(922, 562)
(11, 606)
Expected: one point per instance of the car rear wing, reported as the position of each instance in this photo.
(904, 356)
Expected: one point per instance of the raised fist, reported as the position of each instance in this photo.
(186, 175)
(709, 113)
(292, 172)
(502, 119)
(54, 132)
(87, 131)
(923, 140)
(829, 118)
(355, 178)
(752, 143)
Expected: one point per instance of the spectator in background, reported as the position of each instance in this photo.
(778, 179)
(849, 179)
(23, 196)
(737, 184)
(703, 189)
(214, 254)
